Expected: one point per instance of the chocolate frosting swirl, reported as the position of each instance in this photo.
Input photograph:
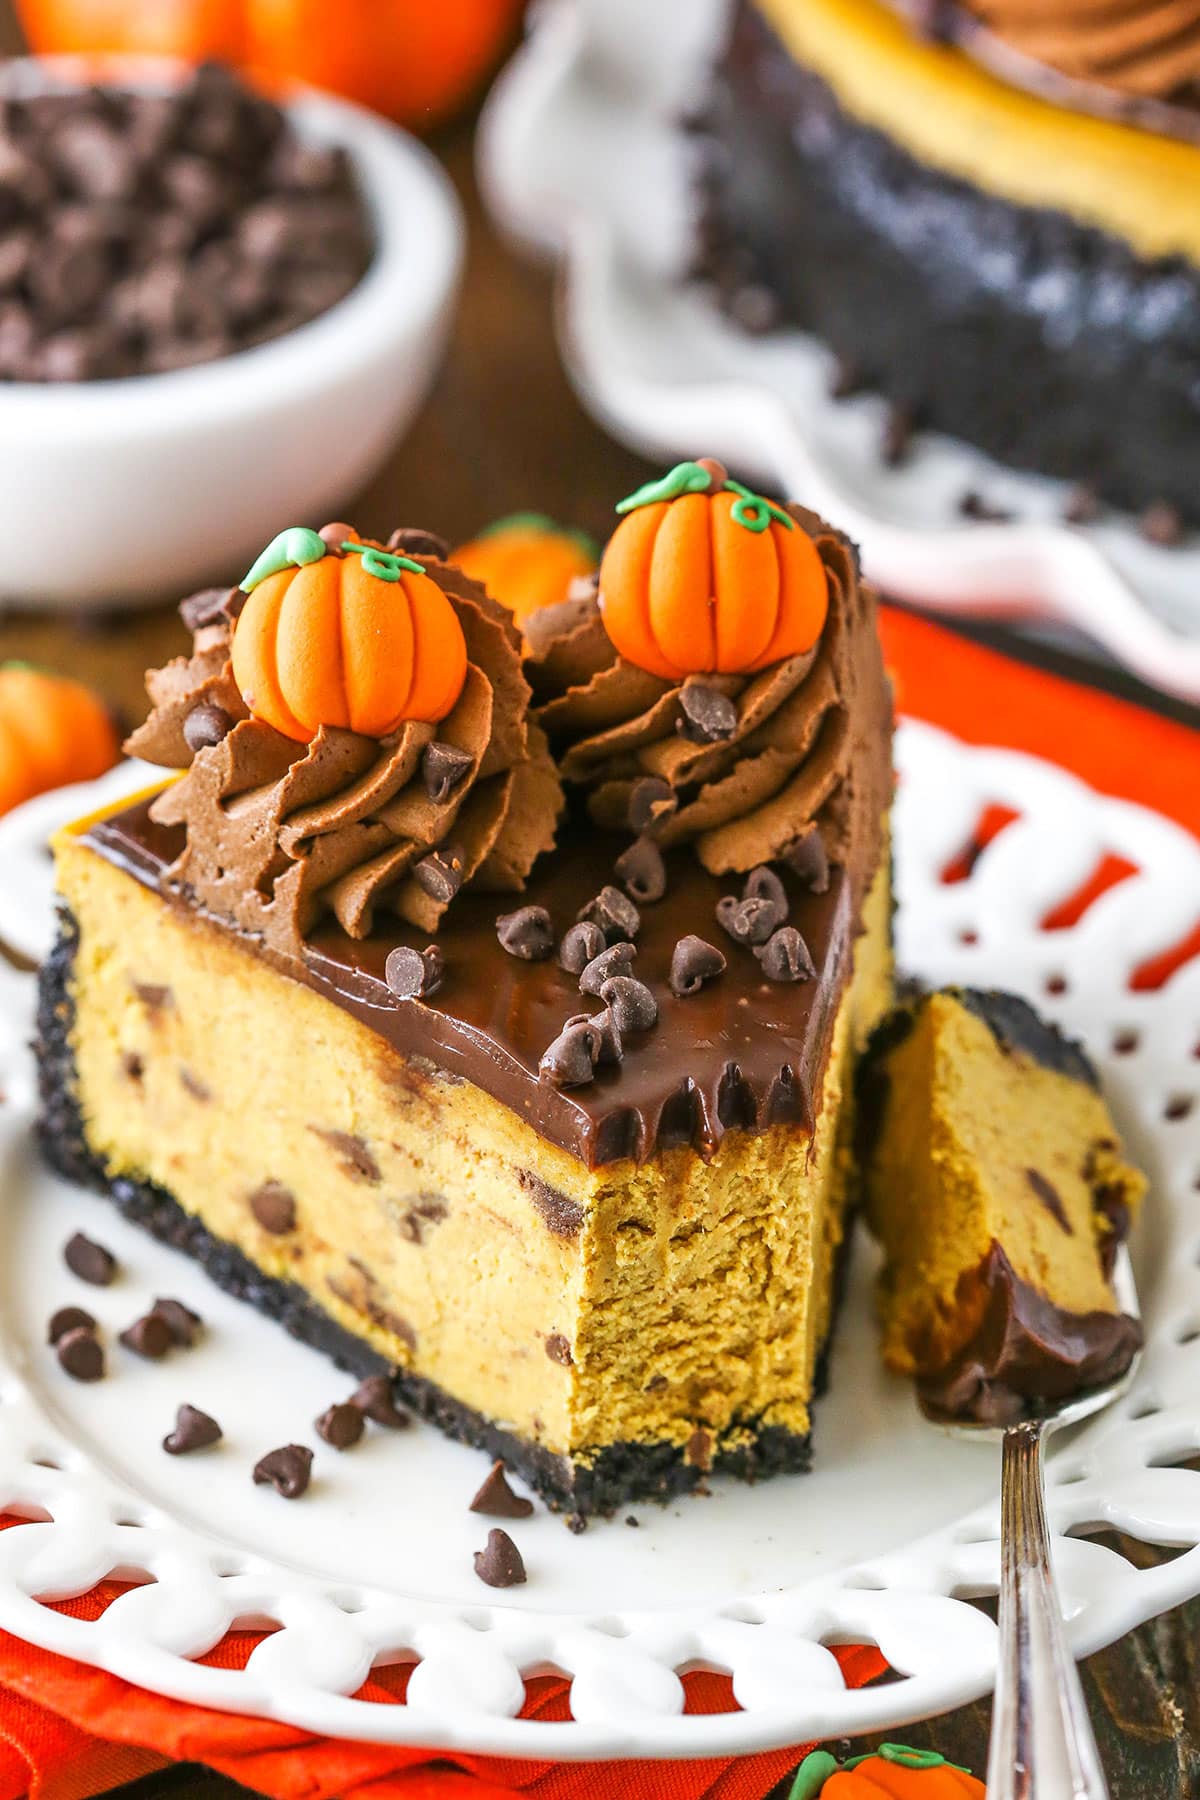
(280, 834)
(804, 747)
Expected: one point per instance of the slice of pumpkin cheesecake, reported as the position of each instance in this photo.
(493, 1025)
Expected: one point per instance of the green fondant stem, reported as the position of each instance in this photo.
(385, 565)
(294, 548)
(812, 1775)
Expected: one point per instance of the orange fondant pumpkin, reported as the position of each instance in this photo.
(351, 636)
(702, 577)
(413, 60)
(526, 561)
(891, 1773)
(52, 731)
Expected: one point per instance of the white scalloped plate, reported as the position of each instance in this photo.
(883, 1541)
(580, 155)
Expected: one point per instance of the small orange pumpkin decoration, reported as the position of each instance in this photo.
(526, 561)
(892, 1772)
(704, 577)
(52, 731)
(347, 635)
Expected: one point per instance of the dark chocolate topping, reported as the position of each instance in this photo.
(1027, 1352)
(742, 1052)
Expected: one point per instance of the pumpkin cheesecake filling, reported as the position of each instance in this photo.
(327, 1018)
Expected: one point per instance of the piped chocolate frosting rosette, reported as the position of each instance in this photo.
(354, 726)
(723, 687)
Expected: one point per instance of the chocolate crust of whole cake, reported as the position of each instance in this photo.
(622, 1473)
(1044, 341)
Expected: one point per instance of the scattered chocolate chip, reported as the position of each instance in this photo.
(414, 974)
(410, 540)
(154, 998)
(562, 1215)
(631, 1003)
(570, 1061)
(183, 1324)
(650, 800)
(617, 959)
(375, 1400)
(581, 945)
(205, 726)
(274, 1206)
(149, 1336)
(576, 1524)
(785, 957)
(747, 921)
(288, 1470)
(209, 607)
(500, 1563)
(354, 1154)
(630, 1520)
(558, 1349)
(1162, 524)
(642, 871)
(341, 1425)
(81, 1354)
(132, 1067)
(440, 875)
(1050, 1198)
(693, 962)
(976, 506)
(90, 1261)
(898, 429)
(443, 767)
(194, 1430)
(762, 883)
(807, 858)
(527, 933)
(709, 716)
(608, 1047)
(193, 1085)
(497, 1500)
(68, 1318)
(614, 912)
(1082, 506)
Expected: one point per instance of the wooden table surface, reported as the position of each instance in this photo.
(503, 432)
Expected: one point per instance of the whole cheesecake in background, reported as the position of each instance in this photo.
(997, 1186)
(494, 1027)
(988, 211)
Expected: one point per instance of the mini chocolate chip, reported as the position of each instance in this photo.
(1162, 524)
(1082, 505)
(149, 1336)
(440, 875)
(630, 1520)
(558, 1349)
(497, 1500)
(443, 766)
(581, 945)
(616, 960)
(414, 974)
(709, 716)
(208, 607)
(68, 1318)
(274, 1206)
(747, 921)
(614, 912)
(898, 429)
(631, 1003)
(500, 1563)
(183, 1324)
(763, 883)
(90, 1261)
(412, 541)
(576, 1524)
(570, 1060)
(288, 1470)
(341, 1425)
(527, 933)
(80, 1354)
(134, 1068)
(785, 956)
(205, 726)
(375, 1400)
(808, 859)
(693, 962)
(608, 1045)
(650, 800)
(194, 1430)
(642, 871)
(154, 998)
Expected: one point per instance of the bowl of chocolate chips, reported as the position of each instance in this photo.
(216, 311)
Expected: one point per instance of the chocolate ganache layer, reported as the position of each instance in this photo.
(741, 1053)
(1047, 342)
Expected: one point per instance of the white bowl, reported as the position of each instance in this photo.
(120, 492)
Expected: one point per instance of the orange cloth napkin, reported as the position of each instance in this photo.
(67, 1731)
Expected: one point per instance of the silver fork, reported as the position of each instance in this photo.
(1042, 1744)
